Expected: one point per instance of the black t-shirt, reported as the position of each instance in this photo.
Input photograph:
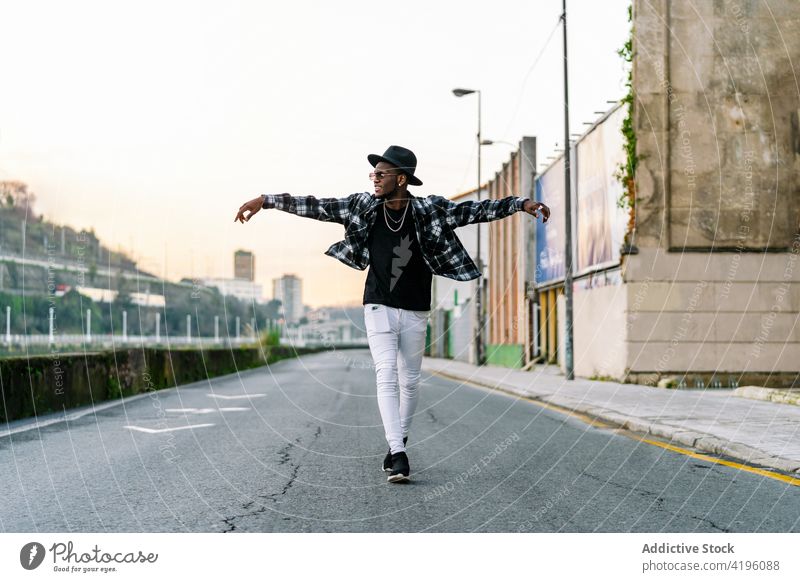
(398, 275)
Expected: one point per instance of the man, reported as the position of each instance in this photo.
(404, 240)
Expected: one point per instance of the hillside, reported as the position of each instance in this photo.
(22, 231)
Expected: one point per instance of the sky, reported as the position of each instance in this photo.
(152, 122)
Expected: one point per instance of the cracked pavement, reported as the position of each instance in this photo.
(299, 449)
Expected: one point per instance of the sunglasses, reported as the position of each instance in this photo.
(381, 175)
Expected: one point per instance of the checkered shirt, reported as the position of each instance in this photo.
(436, 219)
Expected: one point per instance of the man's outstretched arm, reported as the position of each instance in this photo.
(324, 209)
(472, 211)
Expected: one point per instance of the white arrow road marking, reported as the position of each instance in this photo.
(157, 430)
(206, 410)
(223, 397)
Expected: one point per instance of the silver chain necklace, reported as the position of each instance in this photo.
(401, 220)
(394, 220)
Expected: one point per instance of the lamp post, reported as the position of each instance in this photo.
(479, 355)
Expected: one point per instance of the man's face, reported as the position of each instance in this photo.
(384, 179)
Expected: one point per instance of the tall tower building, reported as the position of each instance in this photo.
(289, 291)
(244, 265)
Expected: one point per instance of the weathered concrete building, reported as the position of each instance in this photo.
(713, 289)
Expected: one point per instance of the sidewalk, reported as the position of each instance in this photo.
(712, 420)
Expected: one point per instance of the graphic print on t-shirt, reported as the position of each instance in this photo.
(399, 275)
(402, 254)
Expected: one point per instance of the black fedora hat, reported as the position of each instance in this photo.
(401, 157)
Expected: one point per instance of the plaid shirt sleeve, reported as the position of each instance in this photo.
(324, 209)
(472, 211)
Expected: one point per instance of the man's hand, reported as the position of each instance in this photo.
(534, 208)
(253, 206)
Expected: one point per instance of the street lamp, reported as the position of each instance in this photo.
(462, 92)
(479, 356)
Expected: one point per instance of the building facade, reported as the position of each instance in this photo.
(713, 290)
(239, 288)
(289, 291)
(453, 316)
(695, 282)
(510, 308)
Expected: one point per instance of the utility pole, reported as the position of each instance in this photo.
(570, 375)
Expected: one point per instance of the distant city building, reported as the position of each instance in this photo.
(239, 288)
(289, 291)
(244, 265)
(330, 326)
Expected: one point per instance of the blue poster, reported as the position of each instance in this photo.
(550, 237)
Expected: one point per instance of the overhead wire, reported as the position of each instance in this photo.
(528, 74)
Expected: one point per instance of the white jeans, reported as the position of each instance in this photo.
(397, 342)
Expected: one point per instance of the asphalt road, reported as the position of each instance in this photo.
(297, 447)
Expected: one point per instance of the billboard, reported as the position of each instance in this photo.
(601, 224)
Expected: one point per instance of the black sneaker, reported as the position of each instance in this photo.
(387, 460)
(400, 468)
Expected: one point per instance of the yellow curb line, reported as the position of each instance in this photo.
(601, 424)
(740, 466)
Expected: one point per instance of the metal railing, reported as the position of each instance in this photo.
(61, 341)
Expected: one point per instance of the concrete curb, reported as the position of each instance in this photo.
(695, 439)
(779, 395)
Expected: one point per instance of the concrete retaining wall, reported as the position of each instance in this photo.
(42, 384)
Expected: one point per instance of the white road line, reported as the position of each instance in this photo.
(157, 430)
(27, 424)
(206, 410)
(224, 397)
